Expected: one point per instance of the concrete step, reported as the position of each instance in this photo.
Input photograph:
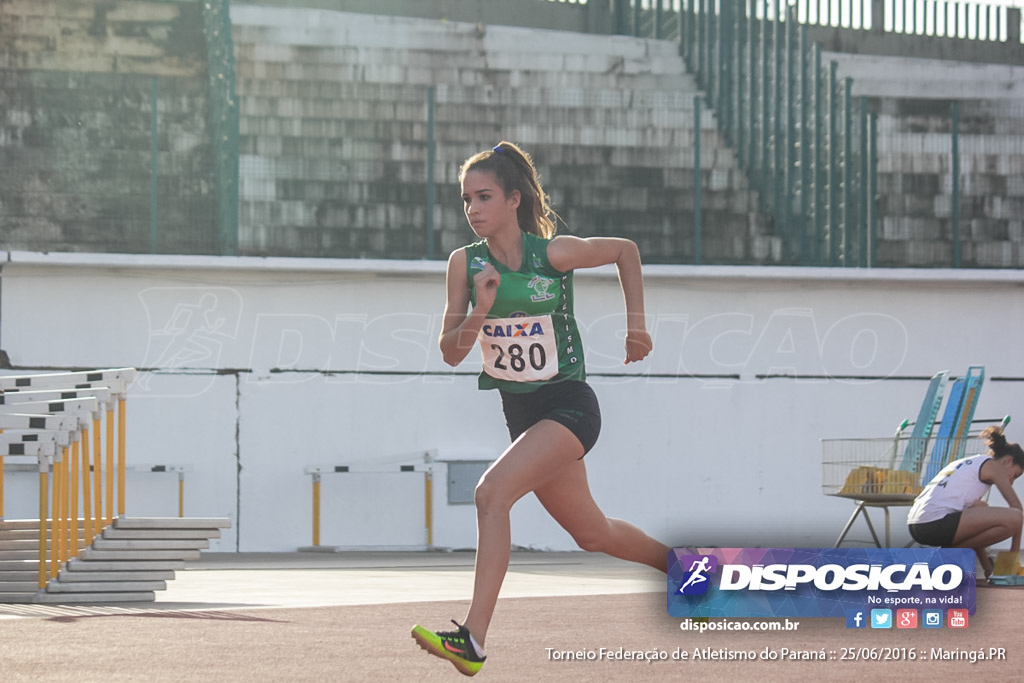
(30, 544)
(20, 524)
(105, 587)
(447, 95)
(324, 118)
(78, 565)
(150, 544)
(88, 576)
(88, 598)
(172, 523)
(115, 534)
(417, 64)
(18, 586)
(19, 565)
(21, 534)
(28, 537)
(91, 554)
(18, 555)
(274, 29)
(129, 562)
(7, 545)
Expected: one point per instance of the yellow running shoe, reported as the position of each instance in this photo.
(454, 646)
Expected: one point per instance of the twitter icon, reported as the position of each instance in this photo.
(881, 618)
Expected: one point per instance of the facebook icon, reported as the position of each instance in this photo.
(855, 618)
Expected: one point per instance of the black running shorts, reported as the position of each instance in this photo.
(938, 533)
(571, 404)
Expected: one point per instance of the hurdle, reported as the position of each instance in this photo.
(171, 469)
(54, 419)
(421, 461)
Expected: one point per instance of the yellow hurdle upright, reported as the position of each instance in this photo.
(316, 509)
(110, 470)
(97, 477)
(87, 533)
(1, 484)
(73, 502)
(44, 491)
(120, 456)
(428, 513)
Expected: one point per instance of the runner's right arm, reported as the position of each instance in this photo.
(459, 330)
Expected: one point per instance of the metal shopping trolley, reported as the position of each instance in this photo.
(868, 471)
(890, 472)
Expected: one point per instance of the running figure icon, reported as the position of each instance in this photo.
(698, 570)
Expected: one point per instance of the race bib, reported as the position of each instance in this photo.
(519, 349)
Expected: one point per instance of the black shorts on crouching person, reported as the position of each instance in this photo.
(939, 533)
(571, 404)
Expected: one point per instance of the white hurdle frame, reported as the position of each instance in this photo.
(421, 461)
(48, 417)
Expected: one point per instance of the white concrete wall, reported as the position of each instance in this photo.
(255, 369)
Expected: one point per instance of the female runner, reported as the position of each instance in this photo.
(513, 291)
(950, 512)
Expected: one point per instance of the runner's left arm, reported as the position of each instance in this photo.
(567, 252)
(1005, 487)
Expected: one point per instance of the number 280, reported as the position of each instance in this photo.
(516, 358)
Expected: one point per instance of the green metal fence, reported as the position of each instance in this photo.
(154, 161)
(224, 119)
(806, 145)
(983, 21)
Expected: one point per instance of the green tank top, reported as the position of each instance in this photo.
(530, 337)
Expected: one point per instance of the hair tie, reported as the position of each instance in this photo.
(498, 149)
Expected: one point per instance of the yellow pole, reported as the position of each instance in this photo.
(65, 507)
(97, 475)
(73, 501)
(181, 494)
(87, 532)
(110, 469)
(316, 509)
(120, 457)
(428, 483)
(1, 483)
(44, 491)
(57, 525)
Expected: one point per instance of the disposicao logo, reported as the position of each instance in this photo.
(823, 582)
(697, 578)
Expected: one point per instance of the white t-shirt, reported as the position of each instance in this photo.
(957, 487)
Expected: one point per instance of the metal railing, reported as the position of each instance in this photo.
(807, 147)
(807, 144)
(991, 21)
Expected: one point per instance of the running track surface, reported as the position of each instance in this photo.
(347, 618)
